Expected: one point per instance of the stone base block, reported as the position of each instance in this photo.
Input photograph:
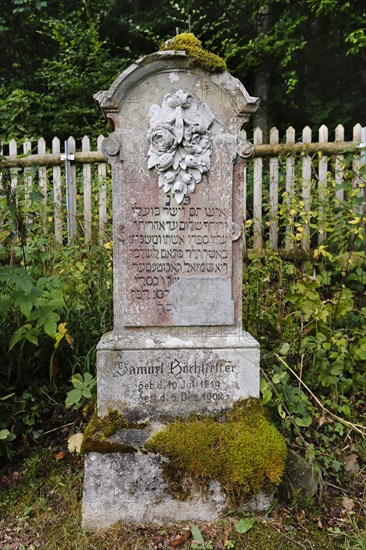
(129, 487)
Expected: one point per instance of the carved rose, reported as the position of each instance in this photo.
(196, 139)
(162, 140)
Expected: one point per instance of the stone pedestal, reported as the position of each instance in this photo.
(177, 348)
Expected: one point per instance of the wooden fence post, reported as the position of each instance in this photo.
(57, 192)
(339, 136)
(357, 137)
(102, 172)
(306, 189)
(27, 147)
(85, 146)
(322, 185)
(290, 182)
(13, 173)
(273, 192)
(71, 189)
(257, 194)
(42, 181)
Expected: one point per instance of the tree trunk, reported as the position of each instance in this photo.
(262, 77)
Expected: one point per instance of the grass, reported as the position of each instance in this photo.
(40, 507)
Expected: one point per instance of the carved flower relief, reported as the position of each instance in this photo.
(179, 143)
(162, 140)
(196, 139)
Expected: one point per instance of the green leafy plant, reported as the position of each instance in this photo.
(83, 388)
(55, 302)
(5, 438)
(38, 302)
(245, 524)
(198, 542)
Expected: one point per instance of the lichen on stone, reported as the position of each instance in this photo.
(97, 432)
(189, 43)
(243, 451)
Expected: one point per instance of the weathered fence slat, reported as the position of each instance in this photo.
(306, 189)
(273, 192)
(257, 193)
(13, 150)
(42, 181)
(339, 136)
(356, 162)
(85, 145)
(57, 192)
(42, 171)
(322, 185)
(71, 190)
(27, 147)
(102, 184)
(290, 182)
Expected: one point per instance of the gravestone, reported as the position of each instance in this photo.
(177, 348)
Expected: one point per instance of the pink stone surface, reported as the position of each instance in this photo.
(160, 243)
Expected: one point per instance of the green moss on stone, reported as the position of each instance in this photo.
(97, 432)
(243, 451)
(190, 44)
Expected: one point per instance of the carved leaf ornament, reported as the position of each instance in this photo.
(180, 143)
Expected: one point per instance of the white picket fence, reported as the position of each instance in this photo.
(75, 184)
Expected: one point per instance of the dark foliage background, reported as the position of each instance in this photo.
(305, 59)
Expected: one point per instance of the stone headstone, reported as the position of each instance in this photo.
(177, 347)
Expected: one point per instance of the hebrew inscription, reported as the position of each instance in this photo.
(180, 265)
(180, 144)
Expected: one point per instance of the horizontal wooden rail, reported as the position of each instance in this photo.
(284, 149)
(49, 159)
(263, 150)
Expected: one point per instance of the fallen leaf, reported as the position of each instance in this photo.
(74, 442)
(59, 456)
(323, 420)
(69, 340)
(351, 464)
(348, 503)
(320, 524)
(245, 524)
(181, 540)
(300, 514)
(86, 409)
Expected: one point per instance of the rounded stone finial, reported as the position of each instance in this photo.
(246, 150)
(111, 146)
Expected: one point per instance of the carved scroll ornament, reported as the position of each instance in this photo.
(180, 143)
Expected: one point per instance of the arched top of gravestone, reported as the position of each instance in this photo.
(172, 61)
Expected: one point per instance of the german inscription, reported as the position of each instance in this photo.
(167, 382)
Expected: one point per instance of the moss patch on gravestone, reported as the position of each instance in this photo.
(190, 44)
(243, 451)
(97, 432)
